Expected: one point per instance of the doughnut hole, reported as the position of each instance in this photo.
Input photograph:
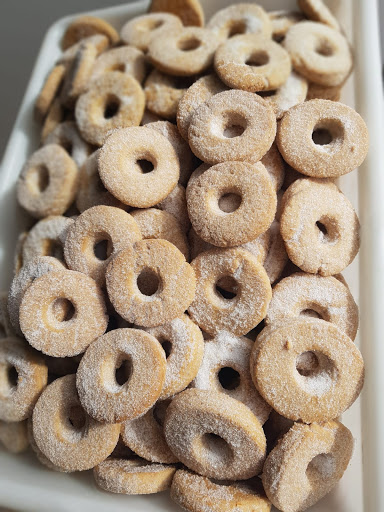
(167, 347)
(219, 450)
(229, 378)
(38, 179)
(324, 48)
(229, 202)
(9, 379)
(102, 247)
(52, 248)
(189, 44)
(328, 134)
(148, 282)
(321, 467)
(313, 310)
(226, 288)
(62, 310)
(315, 372)
(111, 106)
(327, 230)
(233, 125)
(257, 59)
(123, 371)
(77, 417)
(237, 27)
(149, 24)
(75, 424)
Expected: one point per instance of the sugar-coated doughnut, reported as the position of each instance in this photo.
(225, 369)
(189, 11)
(47, 183)
(316, 10)
(275, 166)
(97, 225)
(23, 376)
(64, 432)
(197, 493)
(319, 227)
(215, 435)
(282, 20)
(135, 476)
(345, 145)
(306, 464)
(67, 135)
(36, 450)
(321, 393)
(150, 283)
(232, 125)
(120, 168)
(143, 367)
(86, 318)
(49, 91)
(100, 42)
(183, 343)
(126, 59)
(176, 204)
(13, 436)
(211, 310)
(291, 93)
(85, 26)
(55, 116)
(326, 297)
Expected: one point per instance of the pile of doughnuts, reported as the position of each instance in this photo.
(177, 316)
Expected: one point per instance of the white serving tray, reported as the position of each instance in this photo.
(28, 486)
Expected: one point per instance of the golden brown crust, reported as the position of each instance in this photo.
(86, 26)
(49, 91)
(189, 11)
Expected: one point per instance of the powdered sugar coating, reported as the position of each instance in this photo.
(176, 204)
(126, 59)
(63, 338)
(291, 93)
(228, 351)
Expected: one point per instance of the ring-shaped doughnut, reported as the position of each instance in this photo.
(311, 457)
(13, 436)
(114, 100)
(253, 216)
(49, 91)
(319, 394)
(185, 52)
(47, 183)
(242, 18)
(126, 59)
(326, 297)
(316, 10)
(232, 125)
(121, 171)
(101, 394)
(99, 225)
(140, 31)
(252, 63)
(150, 283)
(189, 11)
(275, 166)
(65, 434)
(23, 376)
(197, 493)
(86, 26)
(319, 227)
(85, 321)
(325, 58)
(215, 435)
(133, 476)
(67, 135)
(183, 343)
(343, 148)
(225, 369)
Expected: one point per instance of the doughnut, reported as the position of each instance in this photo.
(274, 165)
(155, 224)
(164, 92)
(321, 393)
(96, 236)
(325, 58)
(64, 432)
(100, 42)
(85, 26)
(316, 10)
(150, 283)
(47, 183)
(215, 435)
(211, 310)
(291, 93)
(126, 59)
(18, 256)
(246, 220)
(133, 476)
(6, 329)
(233, 125)
(184, 154)
(13, 436)
(332, 137)
(321, 92)
(319, 227)
(241, 18)
(22, 281)
(145, 435)
(183, 344)
(282, 21)
(49, 91)
(176, 204)
(252, 63)
(78, 74)
(67, 135)
(142, 361)
(47, 238)
(91, 191)
(183, 52)
(189, 11)
(39, 454)
(225, 369)
(306, 464)
(141, 30)
(23, 376)
(139, 166)
(85, 320)
(324, 297)
(197, 493)
(197, 94)
(114, 100)
(55, 116)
